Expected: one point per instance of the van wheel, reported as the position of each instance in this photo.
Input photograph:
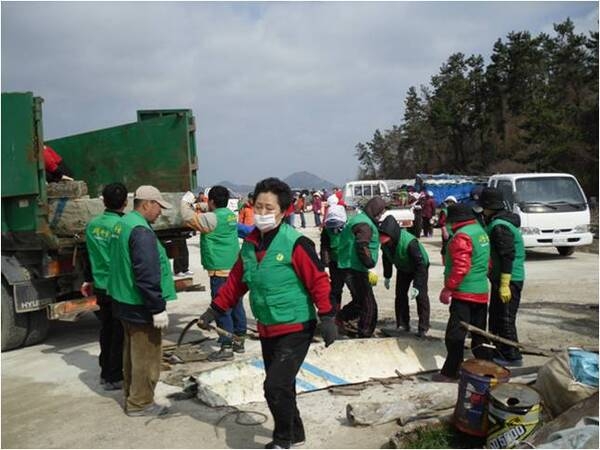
(14, 325)
(565, 251)
(38, 327)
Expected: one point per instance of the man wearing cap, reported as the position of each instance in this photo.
(317, 206)
(358, 250)
(465, 287)
(507, 273)
(141, 282)
(450, 200)
(403, 250)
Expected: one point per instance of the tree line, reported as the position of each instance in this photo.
(533, 108)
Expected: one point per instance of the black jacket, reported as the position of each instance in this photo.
(502, 241)
(146, 271)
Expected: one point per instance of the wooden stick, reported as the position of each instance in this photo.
(525, 348)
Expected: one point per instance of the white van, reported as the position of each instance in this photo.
(552, 206)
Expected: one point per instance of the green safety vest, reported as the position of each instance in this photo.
(220, 248)
(475, 282)
(400, 259)
(98, 235)
(347, 255)
(334, 243)
(518, 267)
(121, 281)
(277, 295)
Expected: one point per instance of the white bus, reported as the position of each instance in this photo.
(552, 207)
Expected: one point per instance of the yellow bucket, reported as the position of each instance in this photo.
(513, 414)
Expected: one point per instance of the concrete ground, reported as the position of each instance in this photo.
(51, 397)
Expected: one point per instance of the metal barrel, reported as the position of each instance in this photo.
(514, 413)
(477, 377)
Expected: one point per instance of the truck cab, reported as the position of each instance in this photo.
(552, 207)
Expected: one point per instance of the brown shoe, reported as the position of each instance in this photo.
(441, 378)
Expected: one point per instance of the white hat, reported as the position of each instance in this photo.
(318, 194)
(336, 212)
(430, 193)
(450, 198)
(332, 200)
(151, 193)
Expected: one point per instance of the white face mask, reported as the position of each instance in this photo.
(265, 222)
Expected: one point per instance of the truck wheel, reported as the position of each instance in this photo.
(38, 327)
(565, 251)
(14, 325)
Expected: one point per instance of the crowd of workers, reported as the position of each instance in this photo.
(292, 289)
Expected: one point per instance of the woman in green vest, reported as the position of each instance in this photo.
(403, 250)
(358, 250)
(465, 287)
(506, 275)
(280, 269)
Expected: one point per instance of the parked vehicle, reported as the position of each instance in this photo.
(357, 193)
(43, 238)
(552, 206)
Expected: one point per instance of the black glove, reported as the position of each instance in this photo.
(328, 330)
(210, 315)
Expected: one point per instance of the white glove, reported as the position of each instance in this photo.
(189, 198)
(413, 293)
(161, 320)
(386, 282)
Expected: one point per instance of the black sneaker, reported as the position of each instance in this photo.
(224, 354)
(113, 385)
(238, 346)
(404, 326)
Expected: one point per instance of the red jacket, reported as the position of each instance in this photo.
(308, 268)
(51, 159)
(460, 250)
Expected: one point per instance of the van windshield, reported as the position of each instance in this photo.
(550, 193)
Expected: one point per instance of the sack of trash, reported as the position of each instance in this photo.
(566, 379)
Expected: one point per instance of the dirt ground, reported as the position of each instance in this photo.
(51, 397)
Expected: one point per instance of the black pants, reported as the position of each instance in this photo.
(470, 312)
(283, 356)
(182, 262)
(111, 340)
(402, 308)
(417, 223)
(427, 227)
(363, 304)
(338, 279)
(503, 317)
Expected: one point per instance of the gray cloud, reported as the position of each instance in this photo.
(275, 87)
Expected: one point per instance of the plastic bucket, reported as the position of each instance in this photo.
(477, 377)
(514, 413)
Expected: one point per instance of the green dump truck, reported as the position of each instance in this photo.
(43, 239)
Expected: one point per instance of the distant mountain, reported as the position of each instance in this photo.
(307, 180)
(241, 189)
(297, 180)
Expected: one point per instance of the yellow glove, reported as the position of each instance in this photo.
(373, 278)
(505, 294)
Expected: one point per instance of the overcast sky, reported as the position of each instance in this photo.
(275, 87)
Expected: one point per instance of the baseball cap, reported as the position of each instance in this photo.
(151, 193)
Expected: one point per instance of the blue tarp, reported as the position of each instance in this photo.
(443, 185)
(584, 366)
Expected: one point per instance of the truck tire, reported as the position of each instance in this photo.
(565, 251)
(14, 325)
(38, 327)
